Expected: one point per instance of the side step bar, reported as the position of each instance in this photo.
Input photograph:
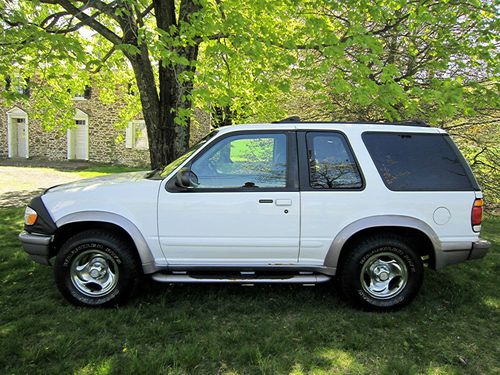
(298, 279)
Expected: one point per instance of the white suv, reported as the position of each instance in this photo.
(273, 203)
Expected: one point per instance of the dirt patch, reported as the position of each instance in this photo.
(18, 185)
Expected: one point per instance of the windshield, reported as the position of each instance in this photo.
(173, 165)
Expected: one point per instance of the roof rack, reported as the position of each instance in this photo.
(413, 123)
(296, 119)
(288, 119)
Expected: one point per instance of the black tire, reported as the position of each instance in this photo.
(381, 273)
(109, 269)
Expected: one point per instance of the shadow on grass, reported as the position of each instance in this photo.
(208, 329)
(69, 165)
(19, 198)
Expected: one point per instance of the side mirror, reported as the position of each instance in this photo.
(185, 178)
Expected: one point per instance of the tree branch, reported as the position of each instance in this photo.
(53, 18)
(89, 20)
(104, 59)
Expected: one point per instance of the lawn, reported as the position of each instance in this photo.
(451, 328)
(102, 170)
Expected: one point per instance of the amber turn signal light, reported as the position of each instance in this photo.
(30, 216)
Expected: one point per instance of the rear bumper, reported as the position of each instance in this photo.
(37, 246)
(460, 252)
(479, 249)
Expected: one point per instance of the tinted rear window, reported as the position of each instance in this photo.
(419, 162)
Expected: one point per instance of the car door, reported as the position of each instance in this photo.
(331, 191)
(244, 207)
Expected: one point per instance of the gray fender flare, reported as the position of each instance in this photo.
(147, 259)
(347, 232)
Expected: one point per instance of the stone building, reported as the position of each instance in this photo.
(94, 136)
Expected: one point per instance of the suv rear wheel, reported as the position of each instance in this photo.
(96, 268)
(381, 273)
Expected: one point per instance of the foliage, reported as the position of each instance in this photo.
(251, 61)
(402, 59)
(479, 140)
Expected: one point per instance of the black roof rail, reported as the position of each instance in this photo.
(288, 119)
(413, 123)
(296, 119)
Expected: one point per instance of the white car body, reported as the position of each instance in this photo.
(269, 203)
(232, 228)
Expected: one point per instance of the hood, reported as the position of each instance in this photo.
(97, 182)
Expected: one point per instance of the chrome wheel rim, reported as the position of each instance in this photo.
(94, 273)
(384, 275)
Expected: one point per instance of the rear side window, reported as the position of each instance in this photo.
(331, 164)
(419, 162)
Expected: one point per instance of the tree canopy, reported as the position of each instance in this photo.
(260, 60)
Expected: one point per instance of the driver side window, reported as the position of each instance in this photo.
(246, 160)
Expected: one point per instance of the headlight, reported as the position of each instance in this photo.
(30, 216)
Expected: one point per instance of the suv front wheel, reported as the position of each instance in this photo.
(381, 273)
(96, 268)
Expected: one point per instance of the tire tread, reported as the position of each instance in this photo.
(126, 252)
(351, 261)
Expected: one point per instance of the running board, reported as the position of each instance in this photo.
(297, 279)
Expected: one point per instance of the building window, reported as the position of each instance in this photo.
(136, 136)
(83, 95)
(17, 84)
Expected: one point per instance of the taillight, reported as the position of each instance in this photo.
(477, 213)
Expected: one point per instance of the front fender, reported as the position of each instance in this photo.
(145, 254)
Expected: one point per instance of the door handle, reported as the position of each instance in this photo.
(265, 201)
(283, 202)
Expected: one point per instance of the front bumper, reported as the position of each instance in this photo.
(37, 246)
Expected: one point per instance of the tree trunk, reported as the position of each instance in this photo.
(167, 139)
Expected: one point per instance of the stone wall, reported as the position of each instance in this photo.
(200, 126)
(50, 145)
(104, 144)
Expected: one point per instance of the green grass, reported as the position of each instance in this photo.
(96, 171)
(451, 328)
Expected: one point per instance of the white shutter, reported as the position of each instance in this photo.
(129, 135)
(69, 145)
(141, 142)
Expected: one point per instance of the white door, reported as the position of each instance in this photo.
(81, 141)
(243, 209)
(78, 141)
(22, 152)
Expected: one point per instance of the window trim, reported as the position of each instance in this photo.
(304, 167)
(447, 139)
(292, 183)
